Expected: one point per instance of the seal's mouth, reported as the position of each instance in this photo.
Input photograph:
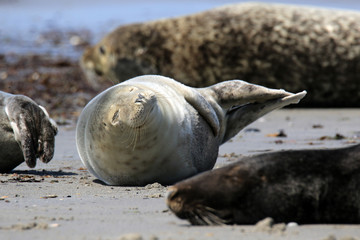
(92, 74)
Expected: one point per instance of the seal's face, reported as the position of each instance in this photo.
(133, 107)
(192, 200)
(117, 57)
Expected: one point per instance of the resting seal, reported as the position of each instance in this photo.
(305, 186)
(154, 129)
(26, 132)
(278, 46)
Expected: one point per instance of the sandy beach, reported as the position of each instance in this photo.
(61, 200)
(40, 44)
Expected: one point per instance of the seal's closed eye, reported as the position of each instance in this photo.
(115, 117)
(98, 72)
(102, 50)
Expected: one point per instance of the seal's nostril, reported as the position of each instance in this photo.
(171, 193)
(140, 98)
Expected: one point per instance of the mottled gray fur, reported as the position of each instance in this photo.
(278, 46)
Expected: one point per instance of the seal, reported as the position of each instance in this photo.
(278, 46)
(26, 132)
(303, 186)
(154, 129)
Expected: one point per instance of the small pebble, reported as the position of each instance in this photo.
(292, 224)
(131, 236)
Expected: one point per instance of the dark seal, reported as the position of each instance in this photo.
(278, 46)
(305, 186)
(26, 132)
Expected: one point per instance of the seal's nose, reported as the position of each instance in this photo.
(170, 195)
(171, 192)
(140, 98)
(175, 201)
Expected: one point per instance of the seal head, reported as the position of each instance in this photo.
(109, 60)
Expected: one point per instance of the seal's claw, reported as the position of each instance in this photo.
(47, 137)
(47, 145)
(47, 152)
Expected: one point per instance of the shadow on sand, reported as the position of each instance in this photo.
(43, 173)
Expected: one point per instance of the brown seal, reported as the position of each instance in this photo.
(278, 46)
(305, 186)
(26, 132)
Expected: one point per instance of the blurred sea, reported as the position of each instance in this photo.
(26, 26)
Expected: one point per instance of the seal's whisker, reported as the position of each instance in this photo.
(130, 137)
(143, 133)
(133, 138)
(202, 218)
(214, 218)
(136, 137)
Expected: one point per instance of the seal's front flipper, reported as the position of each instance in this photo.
(33, 129)
(241, 116)
(199, 103)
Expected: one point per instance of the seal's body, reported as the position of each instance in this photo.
(278, 46)
(303, 186)
(154, 129)
(26, 132)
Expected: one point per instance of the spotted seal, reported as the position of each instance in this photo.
(278, 46)
(26, 132)
(154, 129)
(303, 186)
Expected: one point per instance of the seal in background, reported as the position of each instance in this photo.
(278, 46)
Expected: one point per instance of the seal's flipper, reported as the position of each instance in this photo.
(33, 129)
(240, 117)
(197, 101)
(237, 92)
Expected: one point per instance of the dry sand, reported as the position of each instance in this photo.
(61, 200)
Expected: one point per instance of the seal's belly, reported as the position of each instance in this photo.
(158, 156)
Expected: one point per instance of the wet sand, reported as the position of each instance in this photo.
(61, 200)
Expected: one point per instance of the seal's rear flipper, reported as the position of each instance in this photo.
(240, 117)
(237, 93)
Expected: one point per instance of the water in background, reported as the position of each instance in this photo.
(26, 26)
